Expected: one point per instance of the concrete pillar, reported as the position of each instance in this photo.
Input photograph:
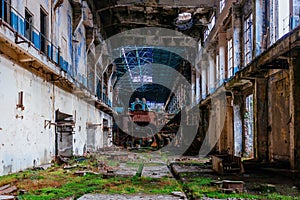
(222, 56)
(237, 35)
(203, 83)
(193, 86)
(259, 25)
(237, 123)
(212, 73)
(294, 72)
(218, 71)
(261, 119)
(198, 90)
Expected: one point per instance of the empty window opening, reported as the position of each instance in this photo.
(222, 5)
(5, 10)
(284, 17)
(248, 37)
(28, 24)
(91, 138)
(230, 58)
(105, 132)
(43, 27)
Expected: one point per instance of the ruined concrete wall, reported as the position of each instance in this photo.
(279, 136)
(80, 55)
(23, 137)
(63, 34)
(294, 124)
(25, 141)
(261, 118)
(226, 141)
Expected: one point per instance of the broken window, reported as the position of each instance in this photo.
(248, 39)
(230, 58)
(222, 5)
(28, 25)
(284, 17)
(43, 27)
(210, 26)
(5, 10)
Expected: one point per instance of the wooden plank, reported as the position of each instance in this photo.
(5, 197)
(4, 187)
(8, 190)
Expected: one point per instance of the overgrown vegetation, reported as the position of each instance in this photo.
(55, 183)
(82, 176)
(198, 187)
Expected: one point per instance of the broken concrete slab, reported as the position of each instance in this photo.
(126, 170)
(179, 194)
(155, 170)
(180, 168)
(83, 173)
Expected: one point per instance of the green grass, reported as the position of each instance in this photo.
(132, 164)
(55, 183)
(200, 187)
(95, 184)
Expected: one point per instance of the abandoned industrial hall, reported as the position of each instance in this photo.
(196, 78)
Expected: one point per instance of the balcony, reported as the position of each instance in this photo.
(19, 29)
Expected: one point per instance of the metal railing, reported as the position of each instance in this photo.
(26, 33)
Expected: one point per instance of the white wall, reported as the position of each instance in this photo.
(24, 140)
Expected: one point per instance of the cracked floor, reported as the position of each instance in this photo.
(119, 174)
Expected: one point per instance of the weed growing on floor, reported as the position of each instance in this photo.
(199, 187)
(55, 183)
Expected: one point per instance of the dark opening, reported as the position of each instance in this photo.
(43, 27)
(5, 10)
(28, 25)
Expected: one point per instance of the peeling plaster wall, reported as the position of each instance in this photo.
(226, 139)
(80, 51)
(25, 141)
(64, 30)
(238, 131)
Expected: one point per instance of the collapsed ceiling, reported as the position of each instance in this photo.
(190, 17)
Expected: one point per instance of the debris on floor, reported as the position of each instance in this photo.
(6, 191)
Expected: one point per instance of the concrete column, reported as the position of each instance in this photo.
(217, 71)
(222, 56)
(212, 76)
(198, 90)
(237, 35)
(261, 119)
(203, 82)
(259, 25)
(237, 123)
(193, 86)
(294, 72)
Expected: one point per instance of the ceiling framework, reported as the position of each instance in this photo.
(133, 65)
(118, 16)
(134, 69)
